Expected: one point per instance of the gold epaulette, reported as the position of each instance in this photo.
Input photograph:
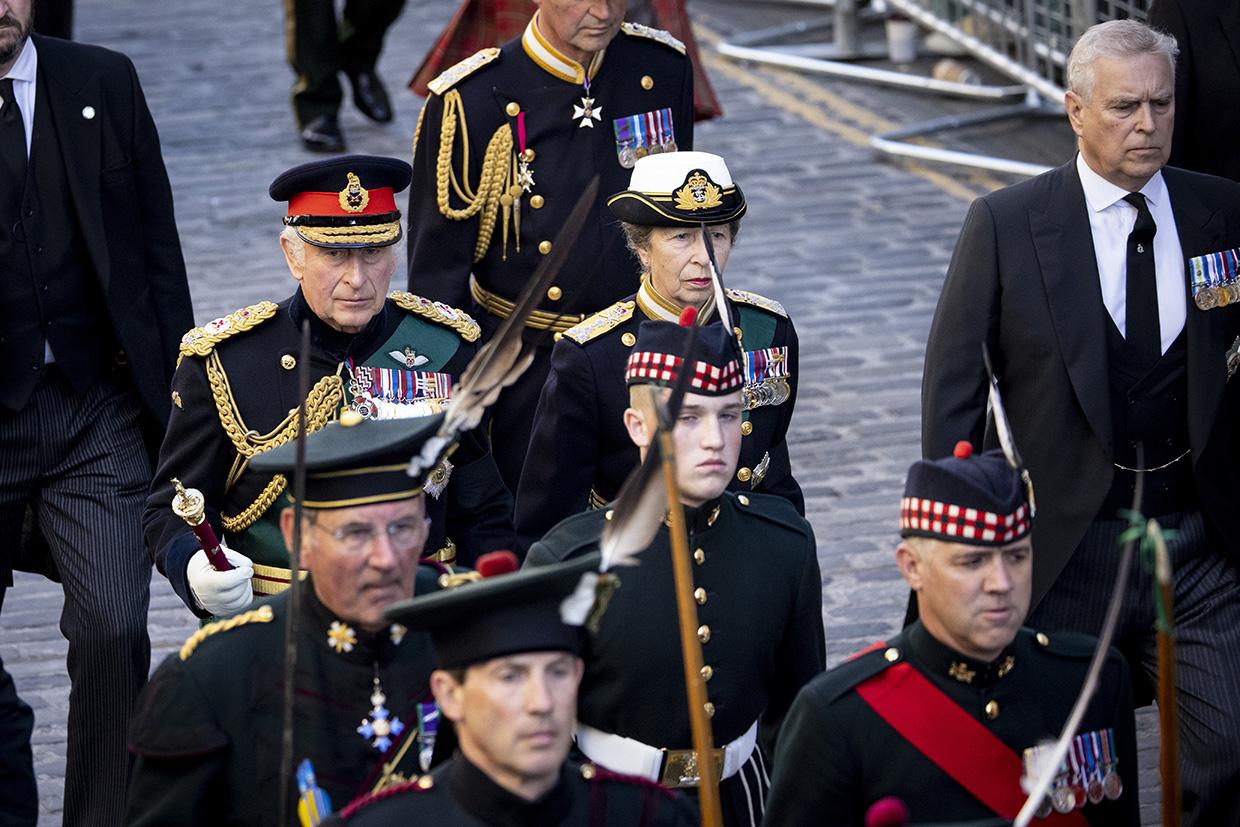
(438, 312)
(262, 614)
(201, 340)
(449, 77)
(638, 30)
(600, 322)
(753, 299)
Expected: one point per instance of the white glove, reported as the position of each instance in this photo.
(221, 592)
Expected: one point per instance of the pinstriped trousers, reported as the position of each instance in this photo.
(79, 461)
(1207, 616)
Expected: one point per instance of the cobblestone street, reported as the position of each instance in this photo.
(855, 247)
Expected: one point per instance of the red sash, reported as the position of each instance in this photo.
(953, 740)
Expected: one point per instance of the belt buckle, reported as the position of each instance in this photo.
(680, 767)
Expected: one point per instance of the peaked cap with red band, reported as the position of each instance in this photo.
(659, 353)
(348, 201)
(975, 499)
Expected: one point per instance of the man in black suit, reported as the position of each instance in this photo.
(93, 302)
(1079, 282)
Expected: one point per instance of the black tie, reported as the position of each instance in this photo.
(1142, 288)
(12, 135)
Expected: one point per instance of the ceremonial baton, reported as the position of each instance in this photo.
(189, 505)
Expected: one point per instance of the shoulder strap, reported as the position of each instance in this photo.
(952, 739)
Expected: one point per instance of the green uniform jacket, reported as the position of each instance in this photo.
(838, 756)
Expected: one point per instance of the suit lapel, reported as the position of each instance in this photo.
(1201, 230)
(1066, 258)
(71, 96)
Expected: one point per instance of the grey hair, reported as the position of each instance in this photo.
(297, 246)
(637, 237)
(1115, 39)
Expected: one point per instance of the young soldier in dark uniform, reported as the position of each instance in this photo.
(510, 662)
(208, 727)
(945, 715)
(237, 388)
(506, 143)
(579, 451)
(761, 614)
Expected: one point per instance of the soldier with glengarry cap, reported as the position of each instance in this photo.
(509, 650)
(384, 356)
(756, 583)
(208, 727)
(951, 715)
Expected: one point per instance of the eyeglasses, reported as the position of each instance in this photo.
(403, 534)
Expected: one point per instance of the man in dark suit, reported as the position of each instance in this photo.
(1207, 72)
(92, 304)
(1110, 362)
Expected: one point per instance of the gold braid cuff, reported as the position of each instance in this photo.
(262, 614)
(492, 179)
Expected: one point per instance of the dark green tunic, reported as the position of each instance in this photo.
(838, 756)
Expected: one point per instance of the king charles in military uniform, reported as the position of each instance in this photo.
(207, 729)
(579, 451)
(506, 143)
(756, 583)
(956, 715)
(236, 389)
(509, 649)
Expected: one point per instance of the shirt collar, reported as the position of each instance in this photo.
(938, 658)
(1101, 193)
(27, 63)
(656, 307)
(553, 61)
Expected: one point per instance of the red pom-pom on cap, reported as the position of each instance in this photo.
(497, 562)
(688, 316)
(889, 811)
(964, 449)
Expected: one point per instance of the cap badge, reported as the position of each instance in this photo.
(698, 193)
(354, 197)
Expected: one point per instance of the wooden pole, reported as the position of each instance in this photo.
(1168, 705)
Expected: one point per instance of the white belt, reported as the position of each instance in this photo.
(629, 757)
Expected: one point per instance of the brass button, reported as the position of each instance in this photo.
(699, 557)
(739, 333)
(537, 202)
(746, 428)
(628, 339)
(744, 474)
(513, 109)
(710, 709)
(707, 673)
(527, 155)
(647, 82)
(992, 710)
(1043, 639)
(554, 293)
(741, 498)
(544, 247)
(704, 633)
(699, 594)
(288, 362)
(425, 782)
(607, 516)
(587, 771)
(350, 417)
(892, 655)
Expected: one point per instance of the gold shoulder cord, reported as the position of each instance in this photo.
(321, 406)
(262, 614)
(492, 180)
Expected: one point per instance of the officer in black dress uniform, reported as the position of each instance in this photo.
(952, 715)
(579, 452)
(756, 583)
(507, 141)
(509, 648)
(236, 390)
(208, 728)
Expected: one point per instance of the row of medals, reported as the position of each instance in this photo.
(1217, 295)
(1074, 787)
(629, 154)
(773, 391)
